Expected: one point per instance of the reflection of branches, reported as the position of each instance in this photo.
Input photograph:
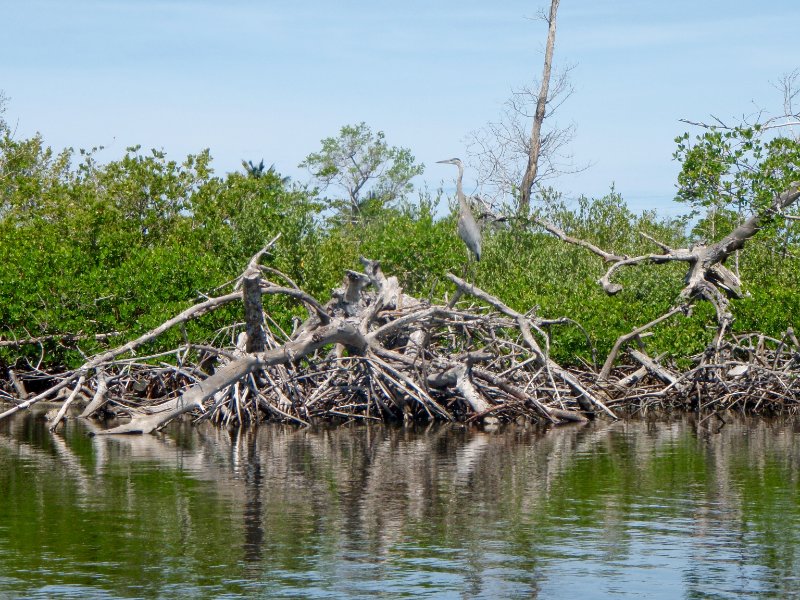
(359, 498)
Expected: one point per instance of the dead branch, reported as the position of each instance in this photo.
(253, 310)
(65, 339)
(636, 333)
(193, 397)
(562, 235)
(583, 396)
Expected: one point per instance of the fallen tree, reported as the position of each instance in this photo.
(707, 277)
(371, 352)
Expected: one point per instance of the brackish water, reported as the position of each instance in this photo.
(634, 509)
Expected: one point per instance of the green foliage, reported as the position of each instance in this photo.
(735, 168)
(734, 171)
(361, 163)
(608, 223)
(125, 245)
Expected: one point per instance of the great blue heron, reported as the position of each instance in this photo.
(468, 229)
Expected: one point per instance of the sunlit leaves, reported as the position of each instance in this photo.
(738, 169)
(361, 164)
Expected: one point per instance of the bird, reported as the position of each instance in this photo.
(468, 229)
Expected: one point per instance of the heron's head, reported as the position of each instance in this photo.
(450, 161)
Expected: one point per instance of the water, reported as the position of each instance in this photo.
(624, 510)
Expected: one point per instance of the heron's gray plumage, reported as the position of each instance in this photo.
(468, 229)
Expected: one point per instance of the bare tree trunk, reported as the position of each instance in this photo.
(253, 311)
(536, 130)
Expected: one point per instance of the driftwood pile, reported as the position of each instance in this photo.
(373, 352)
(751, 373)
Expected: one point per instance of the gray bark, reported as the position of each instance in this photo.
(253, 311)
(100, 397)
(536, 129)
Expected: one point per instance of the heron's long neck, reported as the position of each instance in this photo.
(459, 185)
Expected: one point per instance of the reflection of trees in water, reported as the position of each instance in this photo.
(298, 499)
(253, 508)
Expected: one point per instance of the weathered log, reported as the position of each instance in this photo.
(18, 384)
(653, 367)
(632, 379)
(63, 410)
(458, 376)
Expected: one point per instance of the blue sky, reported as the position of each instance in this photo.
(253, 80)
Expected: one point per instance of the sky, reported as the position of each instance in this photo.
(268, 80)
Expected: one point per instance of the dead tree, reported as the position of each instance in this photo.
(526, 187)
(515, 153)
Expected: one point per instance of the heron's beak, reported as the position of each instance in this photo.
(444, 162)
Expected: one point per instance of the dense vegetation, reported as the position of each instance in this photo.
(89, 247)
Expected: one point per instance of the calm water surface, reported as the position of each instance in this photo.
(640, 510)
